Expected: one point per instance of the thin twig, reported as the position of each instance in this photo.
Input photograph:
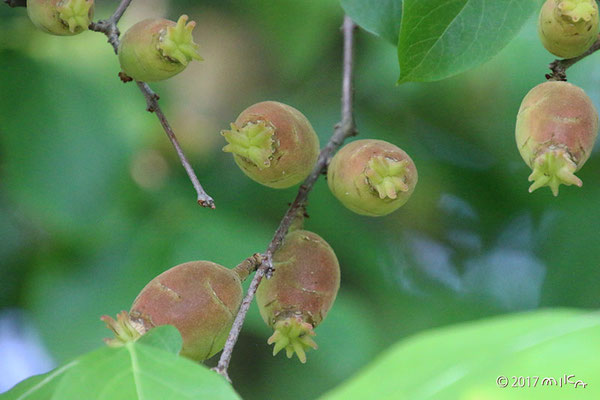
(110, 29)
(559, 67)
(342, 131)
(116, 17)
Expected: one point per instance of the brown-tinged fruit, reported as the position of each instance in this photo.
(200, 298)
(372, 177)
(556, 129)
(300, 293)
(273, 143)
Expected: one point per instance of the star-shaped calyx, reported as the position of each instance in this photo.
(553, 168)
(386, 176)
(254, 142)
(123, 329)
(293, 335)
(577, 10)
(75, 14)
(177, 42)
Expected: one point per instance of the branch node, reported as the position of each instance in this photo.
(207, 202)
(559, 67)
(124, 77)
(270, 269)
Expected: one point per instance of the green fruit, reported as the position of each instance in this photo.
(372, 177)
(568, 28)
(61, 17)
(273, 143)
(557, 126)
(199, 298)
(300, 293)
(157, 49)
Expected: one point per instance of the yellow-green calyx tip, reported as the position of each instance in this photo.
(386, 176)
(553, 168)
(254, 142)
(293, 335)
(577, 10)
(123, 329)
(178, 43)
(75, 14)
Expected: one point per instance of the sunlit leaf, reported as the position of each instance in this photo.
(136, 371)
(39, 387)
(465, 361)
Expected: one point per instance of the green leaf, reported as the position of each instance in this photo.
(165, 337)
(441, 38)
(39, 387)
(381, 17)
(465, 361)
(138, 370)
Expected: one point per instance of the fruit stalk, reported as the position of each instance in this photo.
(248, 266)
(559, 67)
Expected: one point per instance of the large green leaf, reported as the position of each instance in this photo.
(381, 17)
(441, 38)
(39, 387)
(465, 362)
(140, 370)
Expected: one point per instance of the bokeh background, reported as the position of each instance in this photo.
(94, 202)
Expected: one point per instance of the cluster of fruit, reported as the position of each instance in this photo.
(201, 299)
(557, 124)
(275, 145)
(151, 50)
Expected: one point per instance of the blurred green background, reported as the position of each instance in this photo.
(94, 202)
